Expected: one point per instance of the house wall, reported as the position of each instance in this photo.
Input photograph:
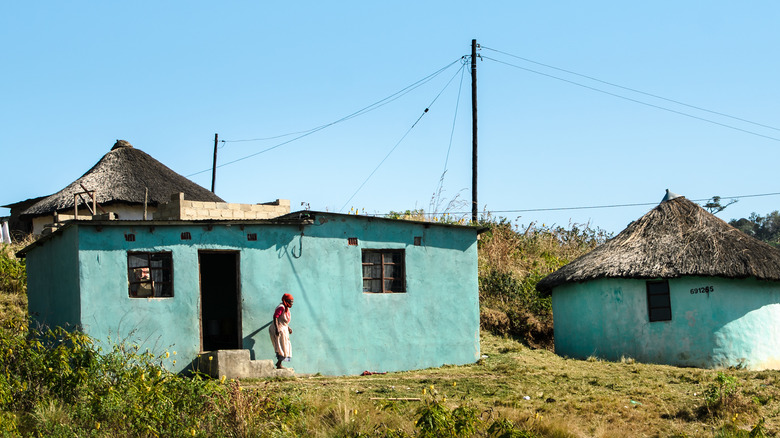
(180, 209)
(123, 212)
(737, 324)
(338, 329)
(53, 279)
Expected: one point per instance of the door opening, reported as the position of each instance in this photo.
(220, 301)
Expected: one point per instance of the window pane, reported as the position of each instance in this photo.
(661, 315)
(659, 301)
(397, 285)
(372, 285)
(392, 271)
(135, 261)
(150, 274)
(163, 290)
(658, 288)
(372, 257)
(157, 275)
(383, 270)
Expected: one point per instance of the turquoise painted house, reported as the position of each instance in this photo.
(370, 293)
(678, 286)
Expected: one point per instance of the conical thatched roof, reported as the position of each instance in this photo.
(677, 238)
(122, 175)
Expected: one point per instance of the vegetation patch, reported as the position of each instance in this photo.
(511, 261)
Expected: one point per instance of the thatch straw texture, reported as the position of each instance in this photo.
(677, 238)
(122, 175)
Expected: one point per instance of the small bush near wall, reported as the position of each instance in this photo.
(511, 261)
(13, 282)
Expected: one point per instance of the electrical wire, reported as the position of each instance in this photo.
(378, 104)
(399, 141)
(305, 133)
(454, 119)
(591, 207)
(632, 89)
(632, 100)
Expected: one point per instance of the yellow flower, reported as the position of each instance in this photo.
(167, 355)
(49, 369)
(97, 425)
(423, 391)
(211, 357)
(174, 352)
(174, 362)
(223, 379)
(193, 432)
(431, 387)
(454, 383)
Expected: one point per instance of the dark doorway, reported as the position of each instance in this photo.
(220, 301)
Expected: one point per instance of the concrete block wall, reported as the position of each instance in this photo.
(181, 209)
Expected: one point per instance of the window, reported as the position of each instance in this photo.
(383, 271)
(659, 306)
(150, 274)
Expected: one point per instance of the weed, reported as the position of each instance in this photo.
(721, 393)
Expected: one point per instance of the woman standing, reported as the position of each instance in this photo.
(280, 331)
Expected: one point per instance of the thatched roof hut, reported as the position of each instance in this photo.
(122, 176)
(677, 238)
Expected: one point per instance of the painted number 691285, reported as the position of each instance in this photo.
(703, 290)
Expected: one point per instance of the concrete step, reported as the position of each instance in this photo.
(237, 364)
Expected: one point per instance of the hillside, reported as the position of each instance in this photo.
(63, 387)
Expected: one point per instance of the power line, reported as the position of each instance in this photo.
(305, 133)
(633, 89)
(591, 207)
(454, 119)
(632, 100)
(399, 141)
(378, 104)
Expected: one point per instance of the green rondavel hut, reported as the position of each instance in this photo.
(678, 286)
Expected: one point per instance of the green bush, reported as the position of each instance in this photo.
(512, 261)
(60, 383)
(13, 272)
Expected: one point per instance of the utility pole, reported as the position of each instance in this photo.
(473, 131)
(214, 167)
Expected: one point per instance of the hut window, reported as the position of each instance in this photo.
(659, 305)
(383, 271)
(150, 274)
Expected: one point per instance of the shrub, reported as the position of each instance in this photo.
(512, 261)
(60, 383)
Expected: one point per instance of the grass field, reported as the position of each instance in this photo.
(547, 395)
(512, 392)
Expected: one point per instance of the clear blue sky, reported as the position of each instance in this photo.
(166, 76)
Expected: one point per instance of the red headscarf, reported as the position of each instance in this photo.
(287, 298)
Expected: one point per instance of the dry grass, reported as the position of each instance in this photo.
(553, 396)
(534, 249)
(511, 262)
